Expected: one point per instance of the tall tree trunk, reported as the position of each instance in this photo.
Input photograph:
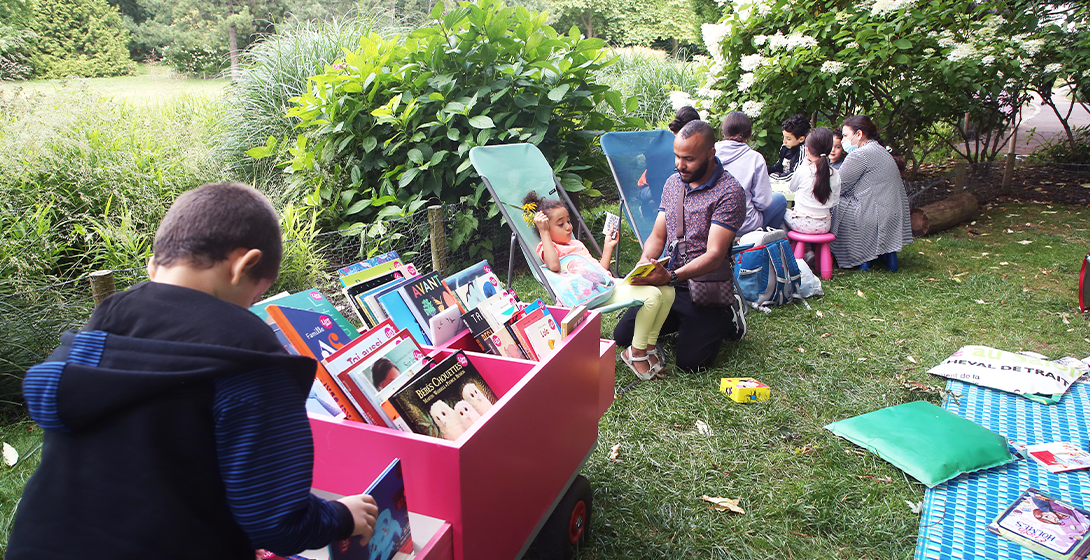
(674, 46)
(232, 45)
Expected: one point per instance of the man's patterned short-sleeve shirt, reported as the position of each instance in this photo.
(720, 201)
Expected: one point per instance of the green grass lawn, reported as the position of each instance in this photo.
(806, 493)
(152, 83)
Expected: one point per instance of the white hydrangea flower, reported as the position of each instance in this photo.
(882, 7)
(947, 42)
(751, 62)
(679, 99)
(798, 40)
(988, 60)
(843, 17)
(852, 45)
(713, 39)
(753, 108)
(929, 51)
(846, 82)
(832, 67)
(760, 40)
(1054, 68)
(961, 51)
(1032, 46)
(745, 81)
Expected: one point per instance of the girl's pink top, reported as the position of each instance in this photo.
(573, 247)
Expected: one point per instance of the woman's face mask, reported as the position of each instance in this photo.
(847, 143)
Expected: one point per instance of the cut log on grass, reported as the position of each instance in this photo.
(944, 214)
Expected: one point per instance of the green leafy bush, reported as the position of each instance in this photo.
(83, 38)
(650, 76)
(392, 124)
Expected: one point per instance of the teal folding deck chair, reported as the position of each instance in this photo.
(630, 155)
(510, 172)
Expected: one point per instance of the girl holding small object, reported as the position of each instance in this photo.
(554, 226)
(816, 186)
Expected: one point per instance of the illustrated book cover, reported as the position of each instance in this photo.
(481, 330)
(392, 539)
(1060, 456)
(612, 223)
(572, 320)
(369, 299)
(378, 259)
(641, 270)
(426, 297)
(540, 331)
(474, 285)
(369, 273)
(445, 400)
(308, 299)
(354, 292)
(314, 334)
(1050, 527)
(394, 306)
(360, 347)
(370, 381)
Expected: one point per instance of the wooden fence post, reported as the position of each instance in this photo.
(961, 179)
(102, 285)
(438, 236)
(1008, 173)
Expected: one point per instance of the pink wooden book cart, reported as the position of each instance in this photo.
(514, 474)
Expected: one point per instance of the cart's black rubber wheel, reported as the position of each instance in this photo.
(567, 528)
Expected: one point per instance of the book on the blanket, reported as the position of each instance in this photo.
(444, 400)
(1060, 456)
(1050, 527)
(645, 269)
(392, 539)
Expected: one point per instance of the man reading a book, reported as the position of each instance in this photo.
(704, 206)
(175, 422)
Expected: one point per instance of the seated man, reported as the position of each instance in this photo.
(763, 207)
(714, 209)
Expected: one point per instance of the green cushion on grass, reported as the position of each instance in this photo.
(929, 443)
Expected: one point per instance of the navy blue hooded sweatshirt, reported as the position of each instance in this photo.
(175, 427)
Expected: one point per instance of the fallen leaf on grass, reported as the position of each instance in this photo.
(801, 349)
(804, 449)
(930, 279)
(11, 456)
(819, 314)
(1064, 317)
(800, 535)
(885, 479)
(862, 359)
(860, 294)
(899, 342)
(911, 359)
(958, 280)
(825, 353)
(703, 428)
(1025, 242)
(1004, 263)
(915, 507)
(877, 320)
(724, 504)
(1009, 231)
(614, 453)
(826, 335)
(981, 302)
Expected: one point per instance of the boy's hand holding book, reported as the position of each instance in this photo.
(364, 511)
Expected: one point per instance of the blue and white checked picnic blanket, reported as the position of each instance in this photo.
(956, 513)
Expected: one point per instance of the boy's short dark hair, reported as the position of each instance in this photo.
(206, 224)
(797, 125)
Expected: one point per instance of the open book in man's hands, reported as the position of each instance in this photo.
(644, 269)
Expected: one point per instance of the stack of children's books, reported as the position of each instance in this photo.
(385, 376)
(1050, 527)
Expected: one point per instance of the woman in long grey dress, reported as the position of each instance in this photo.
(871, 222)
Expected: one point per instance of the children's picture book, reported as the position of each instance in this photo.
(354, 292)
(315, 334)
(1050, 527)
(394, 306)
(474, 285)
(370, 381)
(540, 331)
(308, 299)
(370, 301)
(369, 273)
(501, 338)
(641, 270)
(445, 325)
(379, 259)
(446, 400)
(572, 320)
(1060, 456)
(426, 296)
(481, 330)
(359, 348)
(392, 539)
(613, 223)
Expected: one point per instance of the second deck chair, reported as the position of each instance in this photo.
(641, 163)
(510, 171)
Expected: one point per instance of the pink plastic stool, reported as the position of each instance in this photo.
(824, 255)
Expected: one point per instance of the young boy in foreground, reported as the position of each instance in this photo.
(175, 422)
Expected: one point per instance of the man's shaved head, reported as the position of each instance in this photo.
(701, 129)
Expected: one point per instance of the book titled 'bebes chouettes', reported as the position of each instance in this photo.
(444, 400)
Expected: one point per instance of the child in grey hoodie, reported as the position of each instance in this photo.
(763, 207)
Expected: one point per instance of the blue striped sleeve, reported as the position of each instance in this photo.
(40, 392)
(266, 457)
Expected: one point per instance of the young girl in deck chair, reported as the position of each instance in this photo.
(554, 225)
